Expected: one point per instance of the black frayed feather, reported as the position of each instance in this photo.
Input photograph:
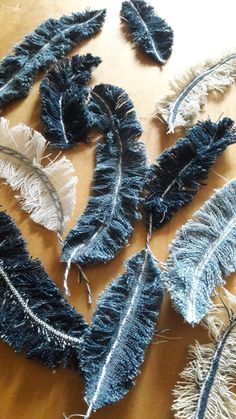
(122, 327)
(119, 177)
(178, 173)
(150, 32)
(34, 316)
(50, 41)
(64, 100)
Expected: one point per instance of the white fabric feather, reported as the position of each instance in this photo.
(205, 388)
(189, 91)
(46, 192)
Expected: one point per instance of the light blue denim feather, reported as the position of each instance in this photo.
(202, 254)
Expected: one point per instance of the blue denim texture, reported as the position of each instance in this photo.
(202, 254)
(149, 31)
(179, 172)
(122, 327)
(50, 40)
(121, 165)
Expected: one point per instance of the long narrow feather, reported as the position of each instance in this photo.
(118, 182)
(50, 41)
(64, 100)
(34, 317)
(150, 32)
(122, 327)
(189, 91)
(47, 193)
(205, 388)
(178, 173)
(202, 254)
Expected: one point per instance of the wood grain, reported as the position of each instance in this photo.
(29, 390)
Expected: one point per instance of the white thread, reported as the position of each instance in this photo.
(33, 316)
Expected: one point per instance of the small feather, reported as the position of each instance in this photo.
(64, 100)
(122, 327)
(34, 316)
(150, 32)
(48, 192)
(205, 388)
(118, 182)
(203, 252)
(50, 41)
(189, 91)
(178, 173)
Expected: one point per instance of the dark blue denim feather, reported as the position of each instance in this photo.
(150, 32)
(122, 327)
(178, 173)
(64, 100)
(50, 41)
(34, 316)
(118, 182)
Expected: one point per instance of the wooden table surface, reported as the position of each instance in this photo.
(202, 29)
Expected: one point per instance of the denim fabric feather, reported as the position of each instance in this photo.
(122, 327)
(150, 32)
(50, 41)
(178, 173)
(206, 385)
(121, 164)
(189, 91)
(45, 188)
(203, 252)
(34, 317)
(64, 100)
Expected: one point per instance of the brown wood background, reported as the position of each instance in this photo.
(27, 389)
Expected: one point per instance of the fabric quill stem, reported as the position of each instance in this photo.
(64, 100)
(149, 31)
(50, 41)
(121, 165)
(47, 193)
(205, 386)
(178, 173)
(34, 316)
(122, 327)
(203, 252)
(189, 91)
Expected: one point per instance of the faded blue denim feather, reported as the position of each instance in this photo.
(122, 327)
(34, 316)
(50, 41)
(64, 100)
(121, 165)
(202, 254)
(149, 31)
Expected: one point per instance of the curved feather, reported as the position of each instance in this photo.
(189, 91)
(34, 316)
(50, 40)
(150, 32)
(178, 173)
(202, 254)
(47, 192)
(122, 327)
(205, 389)
(64, 100)
(121, 164)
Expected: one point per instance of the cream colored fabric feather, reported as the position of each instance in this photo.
(205, 386)
(47, 192)
(189, 91)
